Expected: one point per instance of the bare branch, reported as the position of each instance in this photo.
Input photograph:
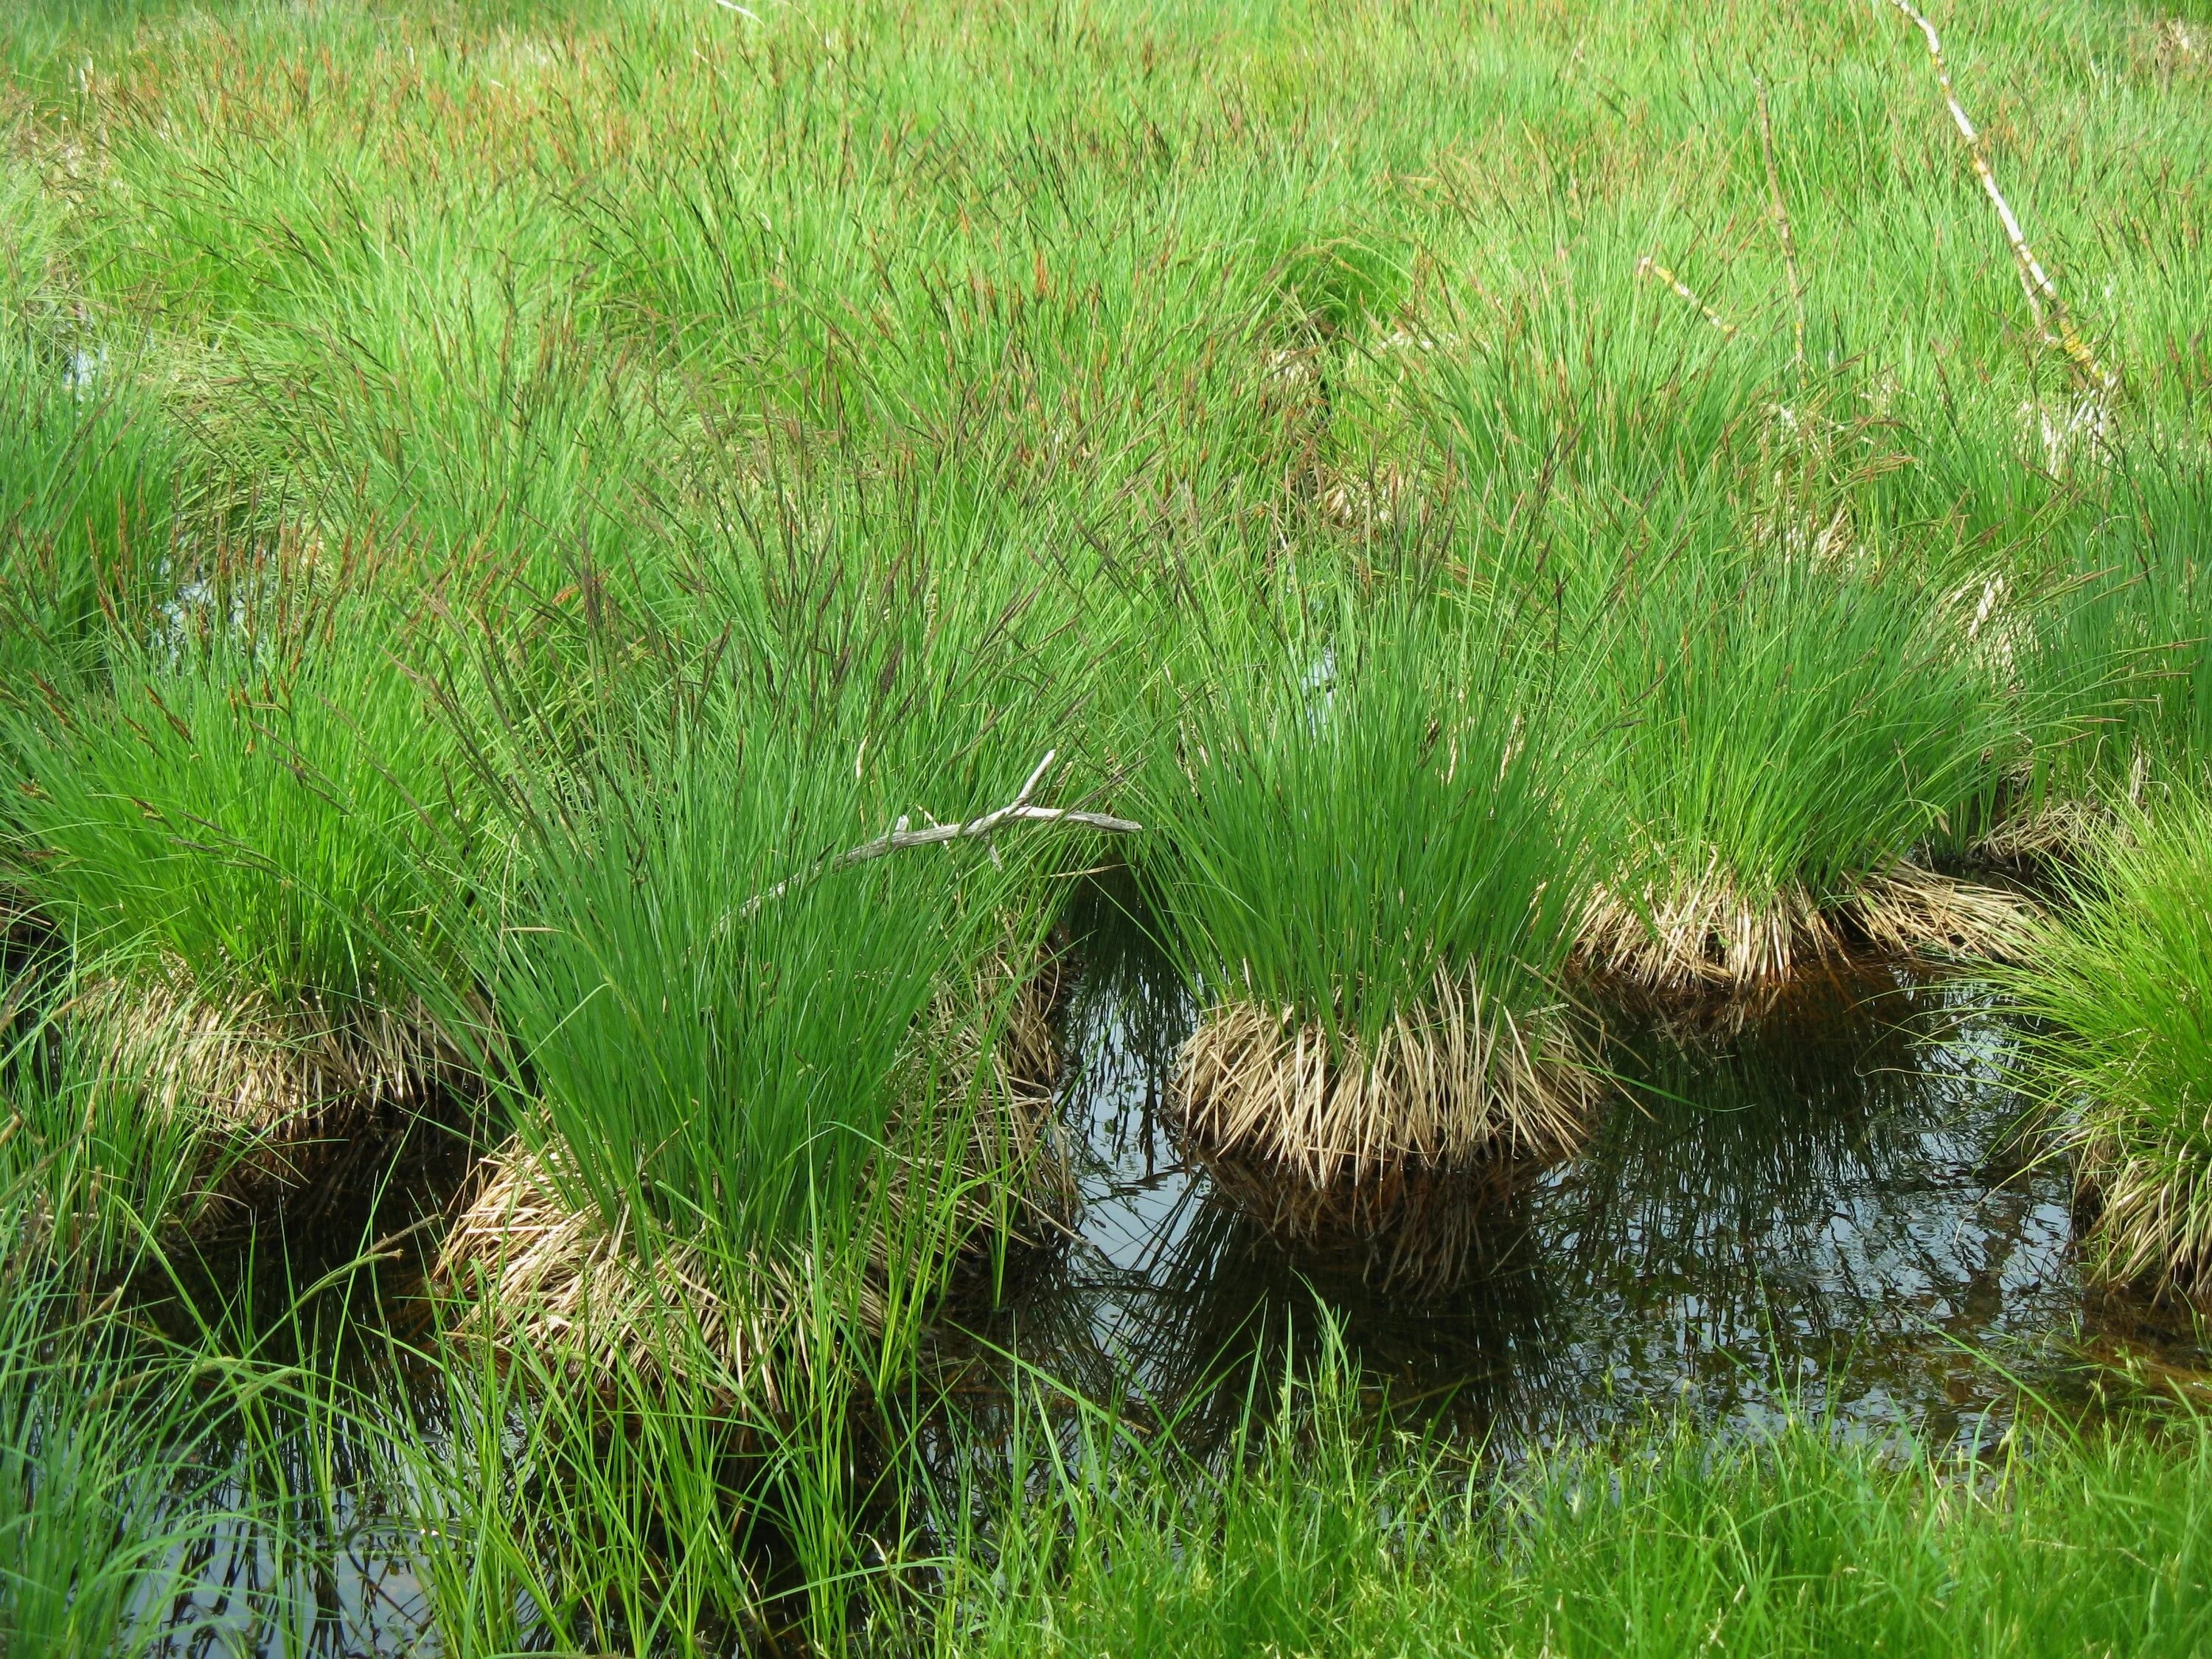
(1647, 266)
(2058, 331)
(898, 837)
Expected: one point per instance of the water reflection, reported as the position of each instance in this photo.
(1832, 1209)
(1828, 1208)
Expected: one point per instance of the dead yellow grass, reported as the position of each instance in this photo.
(1457, 1078)
(287, 1099)
(2152, 1210)
(1709, 935)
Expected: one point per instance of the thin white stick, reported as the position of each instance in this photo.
(899, 837)
(2040, 289)
(1647, 266)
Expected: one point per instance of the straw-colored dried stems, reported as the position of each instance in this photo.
(556, 1278)
(2052, 320)
(2151, 1209)
(1710, 935)
(286, 1099)
(1459, 1077)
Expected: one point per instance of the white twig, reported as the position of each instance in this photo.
(899, 837)
(1647, 266)
(2041, 291)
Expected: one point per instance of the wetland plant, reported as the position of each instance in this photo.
(240, 843)
(754, 1076)
(1800, 735)
(2119, 984)
(1363, 850)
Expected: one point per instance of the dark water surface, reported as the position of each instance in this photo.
(1839, 1209)
(1831, 1210)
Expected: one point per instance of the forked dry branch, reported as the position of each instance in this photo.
(2052, 319)
(899, 837)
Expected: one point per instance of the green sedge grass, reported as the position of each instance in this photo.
(263, 815)
(2120, 1054)
(1369, 800)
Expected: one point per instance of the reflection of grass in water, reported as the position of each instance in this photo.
(1758, 1181)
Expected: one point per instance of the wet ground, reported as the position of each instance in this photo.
(1837, 1208)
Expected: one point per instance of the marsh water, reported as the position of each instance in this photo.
(1832, 1204)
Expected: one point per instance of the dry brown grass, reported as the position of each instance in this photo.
(554, 1277)
(290, 1100)
(2148, 1210)
(1456, 1079)
(1708, 935)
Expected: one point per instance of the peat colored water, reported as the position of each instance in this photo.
(1831, 1208)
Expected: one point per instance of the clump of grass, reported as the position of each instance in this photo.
(1362, 848)
(758, 1072)
(2120, 648)
(241, 845)
(1801, 732)
(2120, 981)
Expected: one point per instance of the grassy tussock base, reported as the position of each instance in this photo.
(554, 1276)
(1709, 935)
(1454, 1080)
(289, 1100)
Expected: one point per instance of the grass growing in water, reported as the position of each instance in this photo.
(1364, 847)
(241, 844)
(1323, 1537)
(1799, 733)
(748, 1072)
(2120, 982)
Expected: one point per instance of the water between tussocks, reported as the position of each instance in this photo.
(1833, 1209)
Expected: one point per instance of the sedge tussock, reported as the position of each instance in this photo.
(553, 1275)
(283, 1098)
(2060, 827)
(2117, 983)
(1455, 1077)
(1710, 934)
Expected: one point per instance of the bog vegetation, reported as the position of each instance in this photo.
(585, 583)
